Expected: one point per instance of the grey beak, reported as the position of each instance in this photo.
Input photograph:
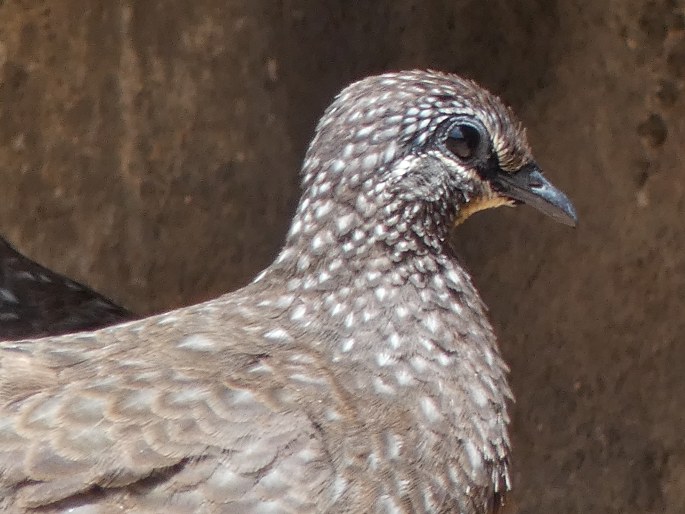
(529, 186)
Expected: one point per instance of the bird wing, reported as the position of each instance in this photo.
(35, 301)
(104, 419)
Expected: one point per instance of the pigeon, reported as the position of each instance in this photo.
(356, 373)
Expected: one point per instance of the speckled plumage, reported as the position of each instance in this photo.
(358, 373)
(36, 302)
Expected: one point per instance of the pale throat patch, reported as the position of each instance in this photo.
(481, 204)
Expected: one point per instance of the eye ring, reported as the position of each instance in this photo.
(464, 141)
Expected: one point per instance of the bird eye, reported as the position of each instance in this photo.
(463, 141)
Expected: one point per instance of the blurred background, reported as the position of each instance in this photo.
(151, 149)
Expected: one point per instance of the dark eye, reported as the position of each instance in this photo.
(463, 141)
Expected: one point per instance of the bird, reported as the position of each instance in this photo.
(357, 373)
(37, 302)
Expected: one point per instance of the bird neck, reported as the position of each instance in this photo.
(340, 237)
(382, 258)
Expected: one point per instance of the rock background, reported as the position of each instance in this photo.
(151, 150)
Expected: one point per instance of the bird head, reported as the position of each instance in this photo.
(428, 140)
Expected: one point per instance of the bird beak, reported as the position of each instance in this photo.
(529, 186)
